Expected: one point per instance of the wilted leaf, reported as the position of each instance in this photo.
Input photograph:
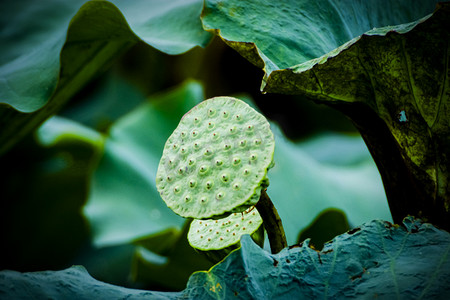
(391, 81)
(51, 49)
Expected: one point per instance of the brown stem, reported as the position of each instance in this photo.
(272, 223)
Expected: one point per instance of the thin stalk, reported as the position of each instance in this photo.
(272, 223)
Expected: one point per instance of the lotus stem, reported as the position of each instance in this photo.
(272, 223)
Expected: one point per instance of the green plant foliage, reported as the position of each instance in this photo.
(280, 35)
(325, 227)
(351, 186)
(65, 44)
(169, 269)
(216, 160)
(123, 203)
(397, 88)
(377, 259)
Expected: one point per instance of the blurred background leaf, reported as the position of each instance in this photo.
(50, 50)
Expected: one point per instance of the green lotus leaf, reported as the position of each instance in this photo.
(377, 259)
(392, 81)
(51, 49)
(216, 160)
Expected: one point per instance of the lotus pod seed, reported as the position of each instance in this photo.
(187, 198)
(177, 190)
(253, 157)
(209, 185)
(203, 170)
(211, 112)
(225, 177)
(192, 183)
(250, 128)
(206, 149)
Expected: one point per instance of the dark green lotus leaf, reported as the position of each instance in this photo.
(278, 35)
(395, 78)
(328, 224)
(72, 283)
(375, 260)
(51, 49)
(169, 269)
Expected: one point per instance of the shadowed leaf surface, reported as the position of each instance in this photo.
(391, 81)
(377, 259)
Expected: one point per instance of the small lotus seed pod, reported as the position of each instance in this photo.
(206, 149)
(225, 233)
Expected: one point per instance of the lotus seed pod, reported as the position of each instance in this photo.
(218, 158)
(218, 237)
